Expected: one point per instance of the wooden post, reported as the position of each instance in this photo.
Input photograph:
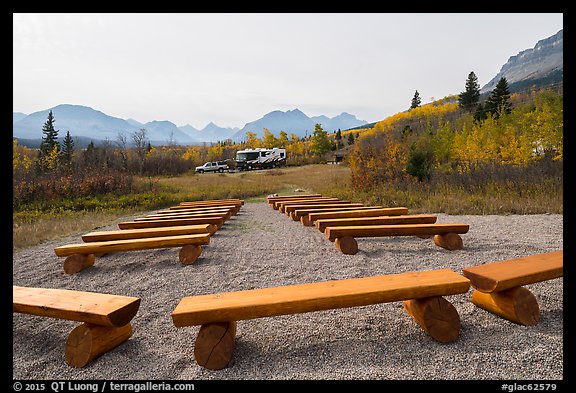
(347, 245)
(516, 304)
(87, 341)
(189, 253)
(215, 344)
(77, 262)
(436, 315)
(305, 220)
(449, 241)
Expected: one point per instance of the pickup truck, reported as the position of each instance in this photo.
(212, 166)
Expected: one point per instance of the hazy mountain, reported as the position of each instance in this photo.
(18, 116)
(295, 121)
(544, 62)
(135, 123)
(213, 132)
(79, 120)
(83, 121)
(161, 132)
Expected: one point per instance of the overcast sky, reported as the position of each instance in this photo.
(234, 68)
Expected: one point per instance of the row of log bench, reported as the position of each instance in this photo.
(498, 288)
(343, 221)
(188, 225)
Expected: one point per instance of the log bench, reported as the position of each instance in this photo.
(371, 211)
(221, 214)
(422, 293)
(307, 218)
(498, 286)
(287, 209)
(322, 224)
(445, 235)
(184, 210)
(81, 256)
(236, 202)
(319, 201)
(271, 199)
(277, 204)
(105, 318)
(99, 236)
(297, 214)
(218, 221)
(231, 206)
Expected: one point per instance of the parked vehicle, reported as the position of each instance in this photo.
(213, 166)
(260, 158)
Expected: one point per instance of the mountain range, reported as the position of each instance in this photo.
(87, 124)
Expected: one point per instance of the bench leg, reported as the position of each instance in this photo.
(215, 344)
(77, 262)
(436, 315)
(449, 241)
(305, 220)
(87, 341)
(189, 254)
(347, 245)
(517, 304)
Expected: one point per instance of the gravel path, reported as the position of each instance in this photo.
(260, 247)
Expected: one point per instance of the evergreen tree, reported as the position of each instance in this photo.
(320, 143)
(338, 138)
(469, 98)
(416, 100)
(351, 138)
(499, 100)
(68, 149)
(50, 138)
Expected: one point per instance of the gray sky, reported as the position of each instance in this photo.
(234, 68)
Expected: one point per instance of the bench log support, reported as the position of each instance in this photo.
(87, 342)
(215, 345)
(498, 286)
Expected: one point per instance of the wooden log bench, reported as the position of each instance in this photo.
(287, 209)
(82, 255)
(282, 205)
(275, 198)
(183, 210)
(445, 235)
(214, 202)
(99, 236)
(224, 202)
(499, 286)
(235, 206)
(322, 224)
(218, 221)
(298, 214)
(229, 205)
(357, 213)
(277, 204)
(422, 293)
(304, 215)
(105, 318)
(151, 217)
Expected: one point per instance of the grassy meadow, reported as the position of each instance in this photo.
(37, 224)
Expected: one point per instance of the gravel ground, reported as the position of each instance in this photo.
(260, 247)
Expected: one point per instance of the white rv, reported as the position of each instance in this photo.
(260, 158)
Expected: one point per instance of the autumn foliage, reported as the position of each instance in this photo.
(440, 140)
